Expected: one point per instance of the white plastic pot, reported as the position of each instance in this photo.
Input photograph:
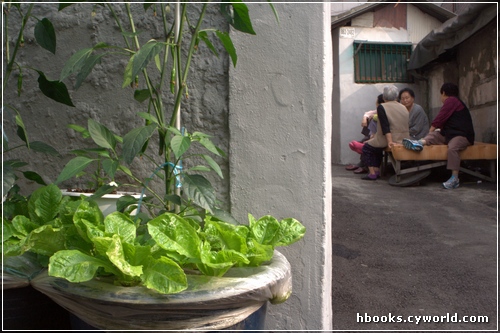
(107, 203)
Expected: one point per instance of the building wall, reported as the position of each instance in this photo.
(355, 99)
(478, 80)
(280, 122)
(475, 72)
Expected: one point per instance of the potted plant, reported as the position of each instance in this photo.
(169, 254)
(107, 162)
(186, 208)
(23, 306)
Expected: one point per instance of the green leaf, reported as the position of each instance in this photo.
(199, 168)
(180, 144)
(291, 230)
(54, 90)
(125, 170)
(134, 140)
(148, 117)
(102, 190)
(101, 135)
(42, 147)
(229, 236)
(204, 37)
(141, 95)
(43, 204)
(173, 233)
(116, 255)
(80, 129)
(224, 216)
(144, 56)
(21, 128)
(45, 241)
(121, 225)
(238, 17)
(110, 167)
(125, 201)
(45, 35)
(228, 45)
(265, 229)
(207, 143)
(165, 276)
(86, 68)
(75, 266)
(217, 263)
(274, 11)
(258, 253)
(175, 199)
(199, 189)
(73, 167)
(75, 63)
(127, 74)
(8, 229)
(213, 165)
(174, 130)
(21, 226)
(88, 211)
(31, 175)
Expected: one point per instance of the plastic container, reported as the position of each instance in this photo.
(210, 303)
(107, 203)
(25, 308)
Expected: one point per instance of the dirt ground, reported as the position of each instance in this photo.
(418, 253)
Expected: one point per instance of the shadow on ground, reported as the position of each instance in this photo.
(402, 252)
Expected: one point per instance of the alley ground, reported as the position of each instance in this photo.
(414, 251)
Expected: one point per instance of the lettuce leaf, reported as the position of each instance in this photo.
(164, 276)
(75, 266)
(173, 233)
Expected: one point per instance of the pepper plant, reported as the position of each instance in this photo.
(45, 36)
(158, 70)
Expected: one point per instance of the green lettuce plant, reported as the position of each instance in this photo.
(79, 244)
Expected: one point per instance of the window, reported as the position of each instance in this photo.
(381, 62)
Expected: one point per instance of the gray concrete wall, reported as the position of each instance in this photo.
(101, 97)
(280, 134)
(478, 85)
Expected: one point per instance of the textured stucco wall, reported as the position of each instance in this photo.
(101, 97)
(280, 123)
(478, 72)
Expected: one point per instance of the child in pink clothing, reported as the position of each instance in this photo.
(369, 124)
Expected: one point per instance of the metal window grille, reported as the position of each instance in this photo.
(377, 62)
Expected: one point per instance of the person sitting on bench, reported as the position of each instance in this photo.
(453, 127)
(392, 127)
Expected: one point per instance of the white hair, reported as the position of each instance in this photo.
(390, 93)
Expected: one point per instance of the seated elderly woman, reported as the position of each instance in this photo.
(418, 121)
(392, 128)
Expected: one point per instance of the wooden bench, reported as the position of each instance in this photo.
(436, 156)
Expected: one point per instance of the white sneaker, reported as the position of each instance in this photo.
(451, 183)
